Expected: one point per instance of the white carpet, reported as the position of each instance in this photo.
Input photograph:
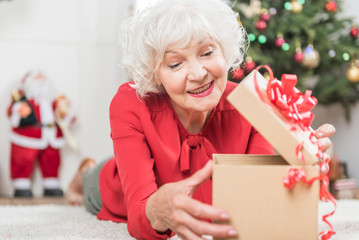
(44, 222)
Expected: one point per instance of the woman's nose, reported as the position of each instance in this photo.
(196, 71)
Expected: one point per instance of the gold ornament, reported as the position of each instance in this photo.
(254, 8)
(311, 57)
(296, 7)
(353, 73)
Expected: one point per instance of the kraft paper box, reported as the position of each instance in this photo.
(250, 187)
(270, 122)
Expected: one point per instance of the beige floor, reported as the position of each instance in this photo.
(33, 201)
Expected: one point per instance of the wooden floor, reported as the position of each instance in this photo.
(33, 201)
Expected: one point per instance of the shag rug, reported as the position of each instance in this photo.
(63, 222)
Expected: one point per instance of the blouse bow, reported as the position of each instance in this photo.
(195, 148)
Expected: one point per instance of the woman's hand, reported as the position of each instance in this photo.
(323, 133)
(172, 207)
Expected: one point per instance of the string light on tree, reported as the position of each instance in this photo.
(272, 11)
(285, 47)
(262, 39)
(332, 53)
(288, 6)
(252, 37)
(346, 56)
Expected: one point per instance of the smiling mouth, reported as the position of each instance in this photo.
(201, 89)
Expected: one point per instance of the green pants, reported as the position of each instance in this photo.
(91, 189)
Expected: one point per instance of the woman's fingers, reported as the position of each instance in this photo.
(187, 224)
(199, 177)
(326, 143)
(198, 209)
(326, 130)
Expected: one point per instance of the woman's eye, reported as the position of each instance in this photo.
(173, 66)
(209, 53)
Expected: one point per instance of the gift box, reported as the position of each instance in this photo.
(252, 188)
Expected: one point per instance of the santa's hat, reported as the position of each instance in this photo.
(31, 75)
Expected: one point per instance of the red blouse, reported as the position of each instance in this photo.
(152, 148)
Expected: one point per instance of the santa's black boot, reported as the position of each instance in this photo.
(23, 193)
(55, 192)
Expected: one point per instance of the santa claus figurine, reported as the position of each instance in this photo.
(39, 122)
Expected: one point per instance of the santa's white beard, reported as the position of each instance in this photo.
(39, 91)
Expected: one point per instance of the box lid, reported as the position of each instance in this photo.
(269, 121)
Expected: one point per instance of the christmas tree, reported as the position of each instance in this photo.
(305, 38)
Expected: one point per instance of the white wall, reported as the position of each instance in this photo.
(75, 43)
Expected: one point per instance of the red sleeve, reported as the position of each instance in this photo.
(133, 160)
(258, 145)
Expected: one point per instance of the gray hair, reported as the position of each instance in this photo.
(145, 36)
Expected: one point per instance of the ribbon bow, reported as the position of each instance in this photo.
(289, 100)
(297, 107)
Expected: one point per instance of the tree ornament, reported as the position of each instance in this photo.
(261, 25)
(354, 32)
(298, 56)
(331, 6)
(353, 73)
(237, 74)
(296, 7)
(253, 9)
(279, 40)
(311, 57)
(249, 65)
(265, 15)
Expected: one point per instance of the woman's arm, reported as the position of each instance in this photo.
(172, 207)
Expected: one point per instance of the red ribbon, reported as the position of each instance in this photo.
(297, 107)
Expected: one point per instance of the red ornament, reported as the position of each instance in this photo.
(354, 32)
(298, 57)
(237, 74)
(265, 17)
(279, 42)
(331, 6)
(249, 66)
(261, 25)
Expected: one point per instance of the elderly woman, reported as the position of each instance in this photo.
(168, 122)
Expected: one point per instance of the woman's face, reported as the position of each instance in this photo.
(195, 76)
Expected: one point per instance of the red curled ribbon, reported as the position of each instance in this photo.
(297, 107)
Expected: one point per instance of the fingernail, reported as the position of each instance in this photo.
(224, 216)
(320, 134)
(232, 232)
